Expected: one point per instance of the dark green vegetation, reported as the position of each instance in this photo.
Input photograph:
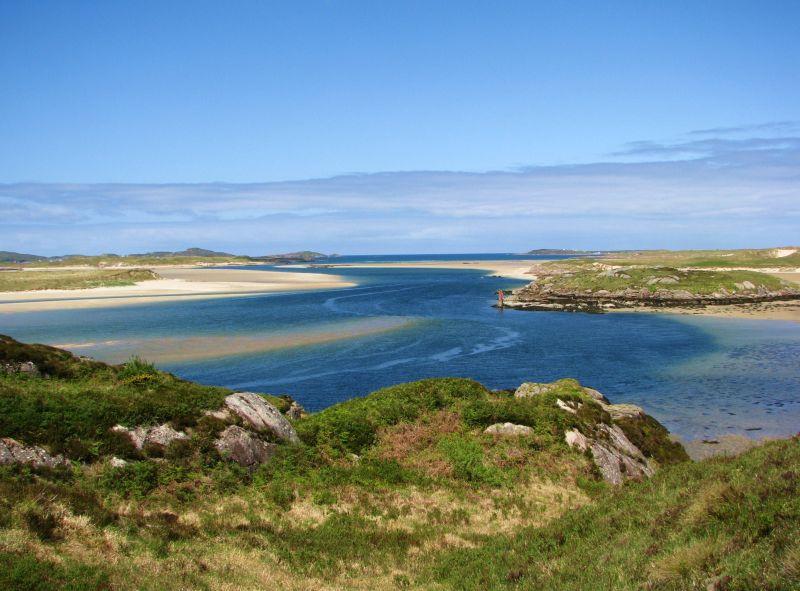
(397, 490)
(72, 279)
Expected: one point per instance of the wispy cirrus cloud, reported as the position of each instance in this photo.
(701, 191)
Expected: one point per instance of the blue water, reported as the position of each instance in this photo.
(699, 376)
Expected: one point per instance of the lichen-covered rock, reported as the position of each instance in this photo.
(116, 462)
(623, 411)
(160, 436)
(261, 416)
(295, 411)
(529, 389)
(244, 448)
(615, 456)
(23, 367)
(14, 452)
(595, 394)
(508, 430)
(570, 407)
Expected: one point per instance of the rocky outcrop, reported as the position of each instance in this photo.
(295, 411)
(613, 453)
(141, 437)
(530, 389)
(508, 430)
(552, 290)
(261, 416)
(28, 368)
(14, 452)
(244, 448)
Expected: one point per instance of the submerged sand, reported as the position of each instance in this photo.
(178, 283)
(200, 347)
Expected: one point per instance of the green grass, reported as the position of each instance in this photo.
(735, 519)
(136, 261)
(72, 279)
(397, 490)
(586, 275)
(752, 258)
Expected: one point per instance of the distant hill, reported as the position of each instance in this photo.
(189, 252)
(160, 257)
(18, 257)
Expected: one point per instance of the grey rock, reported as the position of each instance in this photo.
(261, 415)
(748, 285)
(613, 453)
(529, 389)
(623, 411)
(160, 436)
(295, 411)
(116, 462)
(508, 430)
(596, 395)
(244, 448)
(24, 367)
(14, 452)
(570, 407)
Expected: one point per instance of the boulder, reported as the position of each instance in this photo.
(508, 430)
(261, 416)
(244, 448)
(14, 452)
(596, 395)
(623, 411)
(570, 407)
(24, 367)
(295, 411)
(160, 436)
(116, 462)
(613, 453)
(529, 389)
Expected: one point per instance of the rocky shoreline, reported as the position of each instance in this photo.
(545, 293)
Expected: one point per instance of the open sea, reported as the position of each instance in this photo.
(701, 377)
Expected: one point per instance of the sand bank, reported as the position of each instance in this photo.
(200, 347)
(511, 269)
(178, 283)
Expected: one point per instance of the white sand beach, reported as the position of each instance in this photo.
(177, 283)
(504, 268)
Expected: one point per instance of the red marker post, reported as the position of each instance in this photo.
(500, 295)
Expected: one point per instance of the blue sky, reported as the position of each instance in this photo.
(398, 126)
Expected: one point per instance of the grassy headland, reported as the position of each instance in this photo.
(72, 279)
(764, 258)
(599, 284)
(401, 489)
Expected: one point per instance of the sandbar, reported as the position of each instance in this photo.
(178, 283)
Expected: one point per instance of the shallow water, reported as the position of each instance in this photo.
(700, 376)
